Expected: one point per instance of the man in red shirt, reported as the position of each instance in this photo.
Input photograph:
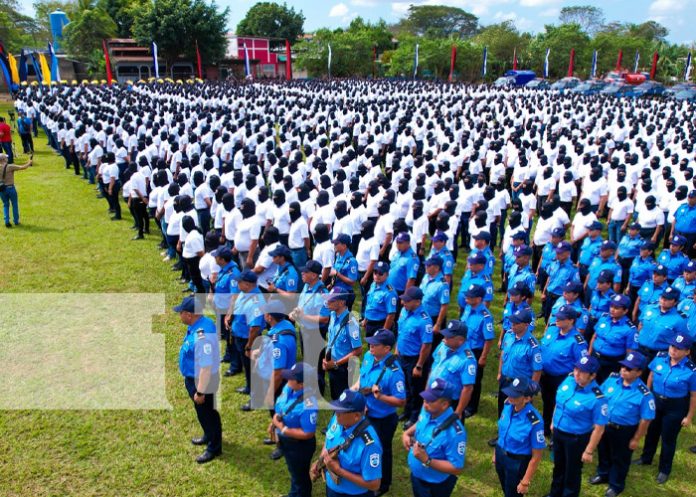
(6, 140)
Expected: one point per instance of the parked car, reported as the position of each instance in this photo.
(588, 88)
(649, 89)
(515, 78)
(565, 84)
(672, 91)
(538, 84)
(687, 94)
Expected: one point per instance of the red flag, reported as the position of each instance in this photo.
(571, 64)
(288, 61)
(198, 62)
(514, 60)
(109, 75)
(453, 60)
(653, 69)
(619, 60)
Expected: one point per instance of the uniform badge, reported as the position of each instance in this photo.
(313, 418)
(400, 386)
(374, 460)
(605, 409)
(461, 448)
(651, 404)
(276, 353)
(540, 437)
(207, 349)
(472, 369)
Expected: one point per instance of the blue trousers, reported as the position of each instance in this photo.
(615, 232)
(422, 488)
(567, 467)
(511, 469)
(615, 456)
(298, 457)
(7, 148)
(666, 425)
(9, 196)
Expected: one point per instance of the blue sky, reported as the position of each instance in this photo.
(528, 15)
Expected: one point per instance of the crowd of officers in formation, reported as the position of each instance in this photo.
(330, 191)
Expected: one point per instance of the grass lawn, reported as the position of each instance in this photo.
(67, 244)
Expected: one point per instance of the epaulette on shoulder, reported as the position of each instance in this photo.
(424, 315)
(690, 364)
(614, 375)
(580, 339)
(469, 354)
(662, 353)
(533, 342)
(598, 392)
(367, 438)
(643, 389)
(458, 427)
(390, 288)
(486, 313)
(533, 418)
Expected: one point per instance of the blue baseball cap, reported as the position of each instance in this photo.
(403, 237)
(381, 267)
(692, 194)
(678, 240)
(573, 287)
(588, 364)
(483, 235)
(274, 307)
(342, 238)
(566, 312)
(475, 291)
(634, 360)
(519, 235)
(296, 372)
(681, 341)
(281, 250)
(222, 252)
(595, 225)
(522, 250)
(607, 245)
(440, 236)
(605, 276)
(521, 316)
(186, 305)
(647, 245)
(559, 232)
(671, 293)
(349, 401)
(634, 226)
(519, 288)
(248, 275)
(412, 293)
(312, 266)
(564, 246)
(455, 328)
(434, 261)
(437, 389)
(620, 300)
(477, 258)
(660, 269)
(521, 387)
(338, 293)
(690, 266)
(382, 337)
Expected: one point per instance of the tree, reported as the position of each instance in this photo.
(438, 21)
(561, 39)
(176, 26)
(503, 40)
(649, 30)
(16, 29)
(589, 18)
(82, 37)
(123, 12)
(42, 9)
(272, 20)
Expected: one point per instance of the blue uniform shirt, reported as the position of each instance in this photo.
(303, 413)
(415, 329)
(581, 322)
(435, 293)
(380, 301)
(673, 381)
(286, 278)
(447, 260)
(641, 270)
(589, 249)
(649, 293)
(560, 274)
(471, 278)
(392, 384)
(579, 409)
(548, 255)
(449, 445)
(312, 303)
(687, 308)
(364, 456)
(508, 260)
(200, 348)
(560, 352)
(525, 275)
(248, 312)
(456, 367)
(225, 285)
(675, 264)
(597, 266)
(346, 265)
(519, 432)
(510, 308)
(659, 328)
(614, 338)
(490, 260)
(629, 247)
(685, 219)
(686, 288)
(521, 356)
(343, 335)
(403, 267)
(480, 323)
(628, 405)
(284, 341)
(599, 303)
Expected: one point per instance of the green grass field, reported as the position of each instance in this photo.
(67, 244)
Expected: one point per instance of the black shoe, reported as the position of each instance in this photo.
(640, 462)
(610, 492)
(661, 478)
(597, 480)
(493, 442)
(8, 225)
(246, 407)
(276, 454)
(199, 441)
(230, 373)
(226, 359)
(206, 457)
(692, 449)
(138, 237)
(242, 390)
(114, 218)
(268, 441)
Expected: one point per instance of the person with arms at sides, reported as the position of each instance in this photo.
(685, 223)
(687, 281)
(367, 256)
(298, 237)
(641, 270)
(651, 290)
(605, 263)
(344, 272)
(659, 324)
(380, 310)
(286, 281)
(265, 268)
(403, 269)
(628, 249)
(548, 256)
(191, 253)
(8, 193)
(589, 249)
(521, 271)
(439, 249)
(343, 340)
(673, 258)
(475, 275)
(561, 271)
(436, 444)
(246, 235)
(436, 296)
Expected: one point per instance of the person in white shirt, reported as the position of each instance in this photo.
(192, 250)
(137, 202)
(367, 256)
(265, 268)
(324, 251)
(246, 236)
(620, 214)
(298, 237)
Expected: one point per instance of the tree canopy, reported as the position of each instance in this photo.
(438, 21)
(272, 20)
(589, 18)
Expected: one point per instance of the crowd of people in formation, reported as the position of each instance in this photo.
(380, 190)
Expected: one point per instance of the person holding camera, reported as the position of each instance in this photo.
(8, 192)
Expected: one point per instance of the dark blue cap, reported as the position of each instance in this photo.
(519, 288)
(343, 238)
(440, 236)
(566, 312)
(519, 235)
(338, 293)
(660, 269)
(521, 316)
(475, 291)
(412, 293)
(403, 237)
(681, 341)
(483, 235)
(222, 252)
(521, 387)
(634, 360)
(296, 372)
(605, 276)
(187, 305)
(559, 232)
(381, 267)
(620, 300)
(573, 287)
(692, 194)
(248, 275)
(690, 266)
(455, 328)
(477, 258)
(647, 245)
(437, 389)
(595, 225)
(564, 246)
(434, 261)
(678, 240)
(281, 250)
(634, 226)
(588, 364)
(382, 337)
(522, 250)
(607, 245)
(312, 266)
(671, 293)
(349, 401)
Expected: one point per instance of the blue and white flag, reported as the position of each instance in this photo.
(55, 70)
(329, 61)
(154, 59)
(687, 69)
(415, 61)
(247, 62)
(546, 63)
(593, 72)
(484, 68)
(636, 61)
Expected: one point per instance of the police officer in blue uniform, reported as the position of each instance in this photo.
(383, 384)
(599, 302)
(454, 362)
(685, 223)
(560, 271)
(578, 424)
(520, 439)
(343, 341)
(508, 258)
(381, 301)
(480, 337)
(673, 381)
(439, 249)
(631, 408)
(649, 294)
(614, 337)
(403, 269)
(414, 345)
(604, 264)
(660, 324)
(673, 258)
(200, 366)
(571, 296)
(224, 289)
(522, 271)
(286, 280)
(352, 453)
(516, 302)
(561, 347)
(686, 283)
(436, 296)
(548, 255)
(295, 422)
(475, 275)
(589, 249)
(641, 269)
(628, 250)
(482, 242)
(436, 444)
(687, 308)
(345, 269)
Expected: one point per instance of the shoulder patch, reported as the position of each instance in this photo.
(533, 418)
(662, 354)
(458, 427)
(486, 314)
(598, 393)
(644, 389)
(367, 438)
(579, 338)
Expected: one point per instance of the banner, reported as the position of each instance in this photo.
(329, 61)
(288, 60)
(546, 63)
(415, 61)
(107, 60)
(247, 62)
(636, 61)
(154, 59)
(55, 70)
(653, 69)
(593, 72)
(453, 61)
(45, 71)
(23, 71)
(619, 60)
(571, 63)
(484, 68)
(199, 65)
(687, 69)
(514, 59)
(6, 73)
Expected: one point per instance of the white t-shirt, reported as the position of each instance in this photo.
(192, 245)
(580, 223)
(368, 250)
(247, 230)
(266, 261)
(299, 230)
(324, 253)
(208, 266)
(620, 209)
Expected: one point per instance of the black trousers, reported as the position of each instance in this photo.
(511, 469)
(142, 220)
(549, 387)
(27, 142)
(476, 392)
(385, 428)
(615, 456)
(414, 386)
(464, 230)
(208, 417)
(422, 488)
(298, 458)
(371, 327)
(194, 272)
(607, 366)
(114, 199)
(338, 381)
(666, 425)
(551, 299)
(239, 344)
(567, 467)
(690, 241)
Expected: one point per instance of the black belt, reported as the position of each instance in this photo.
(599, 355)
(376, 322)
(621, 427)
(663, 397)
(518, 457)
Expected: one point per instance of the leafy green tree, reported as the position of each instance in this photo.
(502, 40)
(42, 8)
(84, 33)
(589, 18)
(438, 21)
(434, 57)
(16, 29)
(176, 26)
(272, 20)
(561, 39)
(123, 12)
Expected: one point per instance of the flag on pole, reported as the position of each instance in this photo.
(154, 59)
(415, 61)
(687, 69)
(14, 72)
(55, 70)
(593, 72)
(514, 59)
(107, 61)
(546, 63)
(484, 68)
(330, 55)
(653, 68)
(636, 61)
(288, 60)
(619, 60)
(453, 61)
(247, 62)
(199, 65)
(45, 70)
(571, 63)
